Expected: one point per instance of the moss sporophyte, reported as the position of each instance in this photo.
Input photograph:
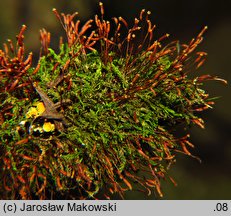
(99, 115)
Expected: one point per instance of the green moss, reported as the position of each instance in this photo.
(114, 115)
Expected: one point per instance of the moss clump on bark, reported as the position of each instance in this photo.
(97, 112)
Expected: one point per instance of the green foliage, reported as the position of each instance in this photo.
(113, 114)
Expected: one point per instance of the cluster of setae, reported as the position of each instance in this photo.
(99, 115)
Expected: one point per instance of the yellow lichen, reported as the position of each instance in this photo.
(40, 107)
(36, 111)
(32, 112)
(48, 127)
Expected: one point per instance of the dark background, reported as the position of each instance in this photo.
(183, 20)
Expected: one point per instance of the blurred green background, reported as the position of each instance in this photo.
(183, 20)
